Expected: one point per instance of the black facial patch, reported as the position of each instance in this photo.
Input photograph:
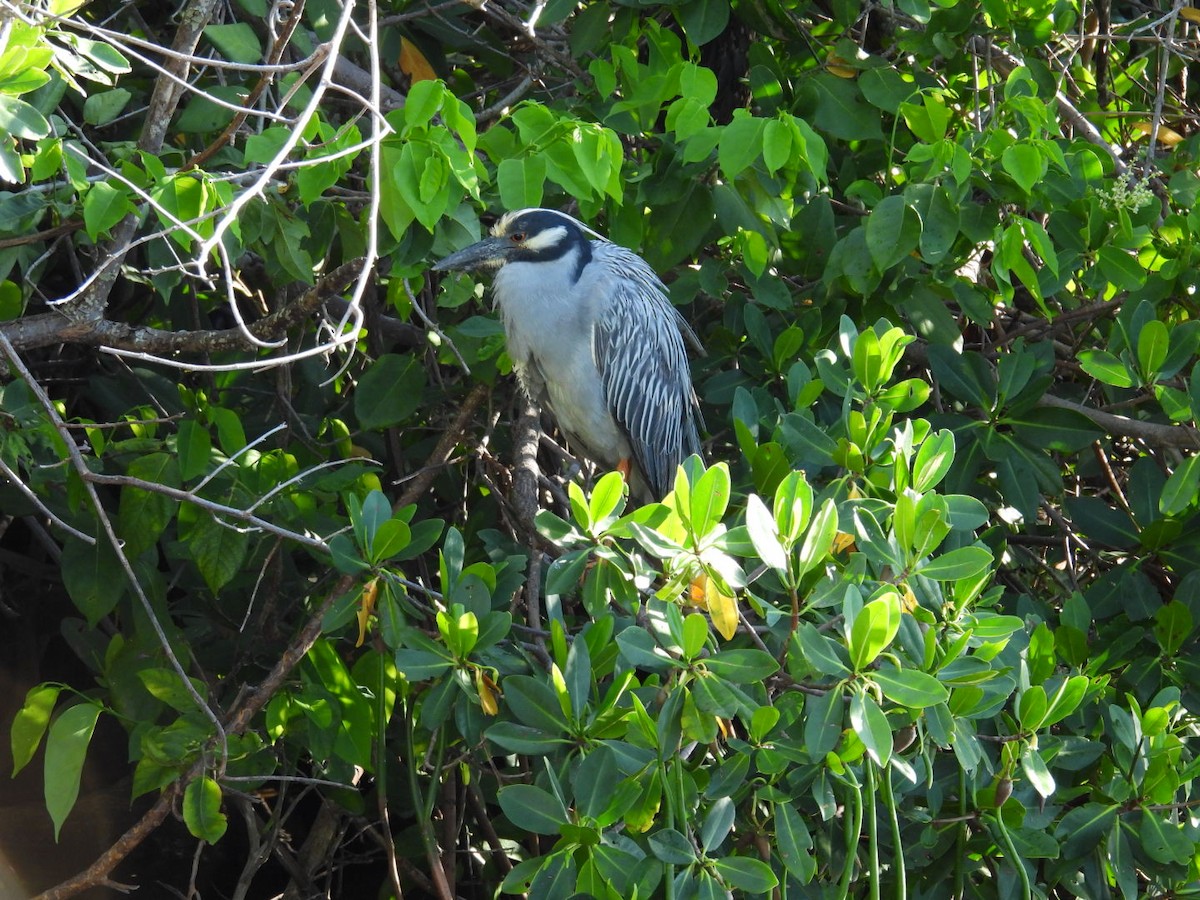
(525, 228)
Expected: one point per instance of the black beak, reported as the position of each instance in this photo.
(490, 253)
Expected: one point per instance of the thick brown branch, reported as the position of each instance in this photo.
(422, 481)
(1182, 436)
(52, 328)
(89, 306)
(98, 872)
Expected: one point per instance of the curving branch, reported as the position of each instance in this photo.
(1183, 437)
(90, 304)
(52, 328)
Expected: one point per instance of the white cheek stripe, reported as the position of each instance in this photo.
(545, 239)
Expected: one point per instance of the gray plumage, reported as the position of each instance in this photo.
(595, 341)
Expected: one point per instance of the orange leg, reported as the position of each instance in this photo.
(625, 467)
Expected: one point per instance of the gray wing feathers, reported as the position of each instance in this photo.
(643, 366)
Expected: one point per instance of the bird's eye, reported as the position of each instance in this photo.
(517, 237)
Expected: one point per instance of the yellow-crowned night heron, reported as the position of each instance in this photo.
(595, 341)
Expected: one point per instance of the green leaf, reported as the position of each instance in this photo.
(143, 514)
(1082, 828)
(1121, 268)
(532, 809)
(390, 539)
(871, 726)
(1172, 625)
(1105, 367)
(671, 847)
(237, 43)
(794, 843)
(695, 634)
(93, 576)
(594, 780)
(939, 225)
(524, 739)
(202, 810)
(819, 538)
(21, 120)
(793, 506)
(535, 703)
(777, 145)
(823, 722)
(1025, 163)
(820, 651)
(164, 684)
(750, 875)
(1164, 842)
(957, 565)
(103, 207)
(102, 108)
(710, 498)
(1031, 710)
(30, 723)
(1153, 343)
(703, 20)
(742, 666)
(841, 111)
(740, 145)
(874, 628)
(910, 688)
(717, 824)
(12, 301)
(218, 550)
(760, 525)
(66, 748)
(1066, 699)
(933, 460)
(521, 181)
(892, 232)
(421, 665)
(389, 392)
(204, 114)
(1035, 770)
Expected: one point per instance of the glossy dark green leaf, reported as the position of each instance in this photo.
(717, 824)
(746, 874)
(742, 666)
(1083, 827)
(1164, 842)
(820, 652)
(824, 715)
(517, 738)
(532, 809)
(534, 703)
(671, 847)
(389, 392)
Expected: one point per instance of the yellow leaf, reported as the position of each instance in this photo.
(366, 606)
(842, 541)
(722, 608)
(1168, 137)
(413, 62)
(835, 65)
(1191, 14)
(487, 692)
(908, 600)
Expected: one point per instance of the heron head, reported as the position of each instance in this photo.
(526, 235)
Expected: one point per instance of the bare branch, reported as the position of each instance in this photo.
(1182, 436)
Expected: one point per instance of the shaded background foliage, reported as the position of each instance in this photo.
(274, 559)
